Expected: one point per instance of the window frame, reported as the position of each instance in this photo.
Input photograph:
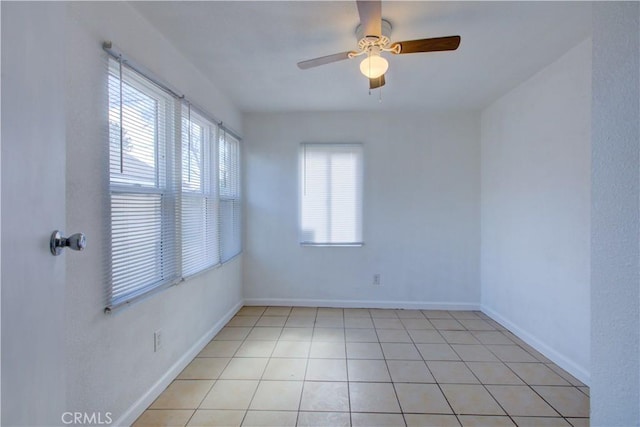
(231, 194)
(358, 150)
(208, 192)
(164, 145)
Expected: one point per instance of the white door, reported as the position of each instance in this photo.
(33, 196)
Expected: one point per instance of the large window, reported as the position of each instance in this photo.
(174, 188)
(331, 194)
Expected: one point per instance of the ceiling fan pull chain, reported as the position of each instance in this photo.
(369, 56)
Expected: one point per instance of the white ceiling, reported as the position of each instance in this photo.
(250, 49)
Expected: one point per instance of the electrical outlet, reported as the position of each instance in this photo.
(157, 340)
(376, 279)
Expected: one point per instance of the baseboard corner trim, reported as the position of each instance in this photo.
(135, 410)
(556, 357)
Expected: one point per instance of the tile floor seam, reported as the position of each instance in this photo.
(453, 411)
(201, 400)
(549, 403)
(304, 382)
(253, 395)
(476, 377)
(393, 384)
(348, 387)
(484, 385)
(545, 400)
(499, 404)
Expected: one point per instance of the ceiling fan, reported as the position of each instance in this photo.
(373, 39)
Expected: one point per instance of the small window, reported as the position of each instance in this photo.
(331, 194)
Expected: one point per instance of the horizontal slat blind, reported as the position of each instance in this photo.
(142, 185)
(174, 176)
(199, 193)
(331, 194)
(229, 182)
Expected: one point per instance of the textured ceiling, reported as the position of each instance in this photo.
(250, 49)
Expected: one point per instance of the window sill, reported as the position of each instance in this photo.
(333, 245)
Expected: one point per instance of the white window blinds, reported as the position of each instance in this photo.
(229, 179)
(331, 194)
(142, 185)
(200, 249)
(174, 184)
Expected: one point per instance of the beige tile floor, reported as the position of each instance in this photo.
(300, 366)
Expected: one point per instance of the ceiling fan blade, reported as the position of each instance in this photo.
(377, 82)
(370, 12)
(428, 45)
(310, 63)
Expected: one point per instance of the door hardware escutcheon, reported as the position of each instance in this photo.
(58, 242)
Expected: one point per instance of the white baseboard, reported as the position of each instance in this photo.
(407, 305)
(558, 358)
(132, 414)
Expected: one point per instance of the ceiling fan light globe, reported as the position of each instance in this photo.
(374, 66)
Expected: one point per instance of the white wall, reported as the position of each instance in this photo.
(615, 213)
(535, 210)
(111, 365)
(421, 211)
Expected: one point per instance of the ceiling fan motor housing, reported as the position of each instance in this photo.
(366, 41)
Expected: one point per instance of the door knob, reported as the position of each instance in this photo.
(58, 242)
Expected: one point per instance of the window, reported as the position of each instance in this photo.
(174, 184)
(199, 193)
(142, 189)
(229, 179)
(331, 194)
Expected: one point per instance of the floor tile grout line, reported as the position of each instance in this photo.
(453, 411)
(439, 384)
(262, 375)
(527, 382)
(514, 415)
(306, 368)
(346, 355)
(304, 383)
(549, 403)
(202, 400)
(393, 384)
